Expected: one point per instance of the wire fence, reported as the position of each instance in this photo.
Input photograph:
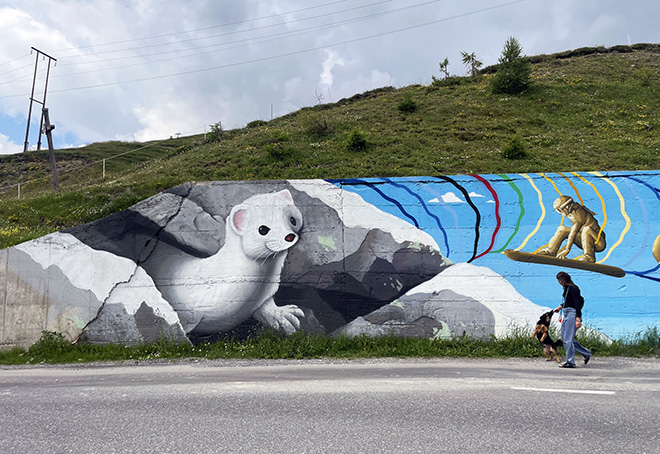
(18, 188)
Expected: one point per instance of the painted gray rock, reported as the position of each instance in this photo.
(57, 283)
(464, 299)
(104, 279)
(351, 268)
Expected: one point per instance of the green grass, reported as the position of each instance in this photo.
(52, 348)
(588, 109)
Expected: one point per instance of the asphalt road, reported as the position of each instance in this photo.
(319, 406)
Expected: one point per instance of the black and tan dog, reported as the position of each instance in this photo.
(541, 332)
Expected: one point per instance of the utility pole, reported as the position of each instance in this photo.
(32, 100)
(48, 128)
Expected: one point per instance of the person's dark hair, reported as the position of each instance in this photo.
(565, 278)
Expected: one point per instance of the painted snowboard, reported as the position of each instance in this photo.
(578, 264)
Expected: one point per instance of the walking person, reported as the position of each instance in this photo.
(571, 320)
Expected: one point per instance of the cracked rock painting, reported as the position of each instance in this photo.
(427, 257)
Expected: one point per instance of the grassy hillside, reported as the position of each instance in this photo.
(589, 109)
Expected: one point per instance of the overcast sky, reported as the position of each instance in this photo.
(141, 70)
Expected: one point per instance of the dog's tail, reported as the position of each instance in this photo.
(559, 343)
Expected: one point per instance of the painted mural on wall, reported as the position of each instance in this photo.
(421, 256)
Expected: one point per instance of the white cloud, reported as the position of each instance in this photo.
(164, 120)
(361, 83)
(474, 194)
(156, 68)
(8, 147)
(448, 197)
(329, 63)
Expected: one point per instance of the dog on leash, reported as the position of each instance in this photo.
(542, 334)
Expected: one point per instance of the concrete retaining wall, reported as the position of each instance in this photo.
(420, 256)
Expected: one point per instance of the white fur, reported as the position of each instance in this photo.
(216, 293)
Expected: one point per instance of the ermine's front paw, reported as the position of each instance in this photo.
(283, 318)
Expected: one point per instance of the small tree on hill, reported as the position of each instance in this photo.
(216, 134)
(515, 149)
(514, 71)
(444, 69)
(473, 65)
(444, 65)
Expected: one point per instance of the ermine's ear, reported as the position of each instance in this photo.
(238, 219)
(286, 195)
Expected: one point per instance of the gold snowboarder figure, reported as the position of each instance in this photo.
(585, 232)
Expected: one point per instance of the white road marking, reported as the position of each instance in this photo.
(570, 391)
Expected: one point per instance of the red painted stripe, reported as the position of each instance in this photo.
(497, 213)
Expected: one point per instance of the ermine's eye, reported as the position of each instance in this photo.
(263, 230)
(293, 221)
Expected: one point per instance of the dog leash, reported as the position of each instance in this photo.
(563, 301)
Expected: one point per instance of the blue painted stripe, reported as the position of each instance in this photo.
(384, 196)
(423, 203)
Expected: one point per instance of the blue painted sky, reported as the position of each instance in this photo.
(461, 213)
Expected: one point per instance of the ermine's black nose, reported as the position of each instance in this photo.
(290, 237)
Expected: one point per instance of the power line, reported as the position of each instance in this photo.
(246, 41)
(21, 78)
(15, 69)
(286, 54)
(15, 59)
(236, 32)
(259, 40)
(164, 35)
(204, 28)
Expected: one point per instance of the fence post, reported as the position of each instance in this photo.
(104, 168)
(19, 191)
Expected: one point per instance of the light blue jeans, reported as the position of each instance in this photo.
(568, 337)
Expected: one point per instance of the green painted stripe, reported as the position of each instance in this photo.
(522, 211)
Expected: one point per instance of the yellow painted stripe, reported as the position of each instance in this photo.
(622, 204)
(574, 188)
(602, 202)
(538, 223)
(558, 192)
(551, 182)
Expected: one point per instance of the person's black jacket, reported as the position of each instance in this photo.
(573, 298)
